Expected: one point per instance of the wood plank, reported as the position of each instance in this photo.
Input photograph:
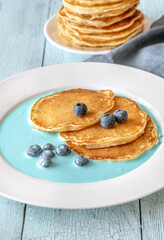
(11, 219)
(21, 35)
(114, 223)
(152, 211)
(54, 55)
(21, 48)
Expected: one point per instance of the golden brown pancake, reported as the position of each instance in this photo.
(99, 41)
(82, 37)
(90, 20)
(117, 27)
(54, 113)
(111, 9)
(124, 152)
(98, 25)
(105, 35)
(97, 137)
(96, 2)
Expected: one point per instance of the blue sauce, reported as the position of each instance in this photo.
(16, 134)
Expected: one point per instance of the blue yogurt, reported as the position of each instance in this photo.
(17, 134)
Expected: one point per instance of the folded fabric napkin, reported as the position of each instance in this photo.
(146, 51)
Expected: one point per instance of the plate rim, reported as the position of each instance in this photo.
(147, 25)
(19, 175)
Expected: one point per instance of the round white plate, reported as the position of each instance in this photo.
(144, 87)
(50, 32)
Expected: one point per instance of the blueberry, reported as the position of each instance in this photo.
(48, 153)
(45, 162)
(120, 115)
(81, 161)
(80, 109)
(34, 151)
(48, 146)
(108, 120)
(62, 150)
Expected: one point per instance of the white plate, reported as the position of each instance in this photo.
(50, 32)
(144, 87)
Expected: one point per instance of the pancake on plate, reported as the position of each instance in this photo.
(81, 42)
(54, 113)
(124, 152)
(98, 25)
(97, 137)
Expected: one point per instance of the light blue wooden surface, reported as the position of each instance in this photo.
(23, 47)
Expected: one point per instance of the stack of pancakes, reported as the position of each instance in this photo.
(85, 135)
(99, 24)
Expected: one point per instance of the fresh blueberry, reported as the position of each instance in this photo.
(120, 115)
(34, 151)
(48, 153)
(81, 161)
(48, 146)
(62, 150)
(45, 162)
(80, 109)
(108, 120)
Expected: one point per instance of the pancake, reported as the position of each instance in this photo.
(96, 2)
(117, 27)
(54, 113)
(98, 25)
(90, 20)
(105, 36)
(124, 152)
(98, 137)
(82, 41)
(112, 9)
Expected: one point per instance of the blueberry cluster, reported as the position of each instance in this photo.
(48, 152)
(108, 120)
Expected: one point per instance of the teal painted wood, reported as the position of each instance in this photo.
(11, 219)
(153, 9)
(152, 210)
(54, 55)
(21, 35)
(115, 223)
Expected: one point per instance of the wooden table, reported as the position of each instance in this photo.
(23, 47)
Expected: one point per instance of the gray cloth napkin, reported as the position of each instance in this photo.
(145, 51)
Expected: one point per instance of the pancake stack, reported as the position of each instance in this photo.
(98, 24)
(85, 135)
